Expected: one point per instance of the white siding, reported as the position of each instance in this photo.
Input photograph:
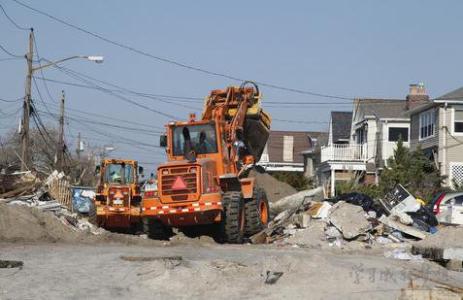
(288, 148)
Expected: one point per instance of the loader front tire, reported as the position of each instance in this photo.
(231, 228)
(256, 212)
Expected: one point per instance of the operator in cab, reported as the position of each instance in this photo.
(203, 146)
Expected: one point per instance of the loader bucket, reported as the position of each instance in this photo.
(256, 133)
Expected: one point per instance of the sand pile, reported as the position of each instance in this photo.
(446, 237)
(22, 223)
(274, 188)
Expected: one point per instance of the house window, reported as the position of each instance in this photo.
(396, 133)
(288, 144)
(427, 124)
(458, 121)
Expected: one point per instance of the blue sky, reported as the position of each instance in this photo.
(347, 48)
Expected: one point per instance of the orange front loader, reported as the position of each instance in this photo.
(117, 201)
(205, 178)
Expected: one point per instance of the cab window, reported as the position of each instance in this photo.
(119, 173)
(202, 137)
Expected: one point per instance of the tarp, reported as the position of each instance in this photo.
(82, 198)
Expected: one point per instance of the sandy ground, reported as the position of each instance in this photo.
(202, 269)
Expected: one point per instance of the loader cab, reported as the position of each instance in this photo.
(200, 138)
(119, 173)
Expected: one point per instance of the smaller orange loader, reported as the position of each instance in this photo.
(117, 200)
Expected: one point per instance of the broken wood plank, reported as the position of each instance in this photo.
(403, 228)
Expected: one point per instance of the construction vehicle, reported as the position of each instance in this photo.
(205, 179)
(117, 199)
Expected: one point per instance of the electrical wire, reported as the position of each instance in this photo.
(109, 92)
(86, 113)
(71, 73)
(174, 62)
(34, 112)
(11, 101)
(10, 58)
(9, 53)
(139, 130)
(300, 122)
(121, 89)
(41, 69)
(267, 103)
(40, 95)
(12, 21)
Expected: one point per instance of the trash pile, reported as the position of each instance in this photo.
(82, 198)
(50, 195)
(397, 218)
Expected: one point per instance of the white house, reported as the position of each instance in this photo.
(375, 127)
(437, 128)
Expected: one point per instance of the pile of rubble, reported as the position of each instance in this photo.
(33, 209)
(394, 222)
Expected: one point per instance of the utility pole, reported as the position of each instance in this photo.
(27, 106)
(60, 146)
(79, 148)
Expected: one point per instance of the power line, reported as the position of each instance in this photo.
(121, 89)
(70, 73)
(109, 92)
(40, 94)
(41, 70)
(140, 130)
(300, 122)
(174, 62)
(11, 101)
(281, 104)
(187, 99)
(108, 117)
(118, 90)
(12, 21)
(9, 53)
(10, 58)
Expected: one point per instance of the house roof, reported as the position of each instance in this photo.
(383, 108)
(453, 95)
(301, 142)
(341, 123)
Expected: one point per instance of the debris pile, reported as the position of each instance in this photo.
(18, 184)
(33, 210)
(305, 220)
(26, 188)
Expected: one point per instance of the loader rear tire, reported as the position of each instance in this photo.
(231, 228)
(156, 230)
(92, 218)
(257, 212)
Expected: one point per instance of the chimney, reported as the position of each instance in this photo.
(416, 96)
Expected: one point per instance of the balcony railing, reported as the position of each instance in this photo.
(344, 152)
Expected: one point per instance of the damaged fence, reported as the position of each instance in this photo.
(25, 187)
